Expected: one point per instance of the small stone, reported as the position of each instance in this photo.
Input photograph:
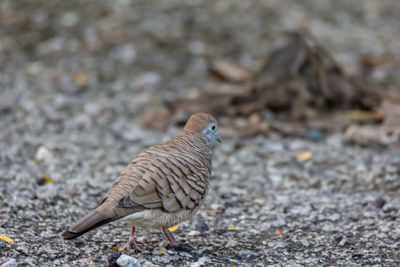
(201, 262)
(197, 47)
(127, 261)
(280, 245)
(259, 201)
(343, 242)
(315, 135)
(43, 154)
(231, 243)
(380, 202)
(112, 258)
(127, 53)
(10, 263)
(69, 19)
(384, 228)
(194, 233)
(304, 242)
(147, 79)
(202, 227)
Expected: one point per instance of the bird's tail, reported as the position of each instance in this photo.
(89, 222)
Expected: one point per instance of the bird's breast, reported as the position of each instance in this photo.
(157, 218)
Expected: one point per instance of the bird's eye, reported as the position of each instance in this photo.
(212, 127)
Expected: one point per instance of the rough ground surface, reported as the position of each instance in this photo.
(74, 78)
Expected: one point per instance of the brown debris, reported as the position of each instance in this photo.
(229, 71)
(300, 81)
(300, 74)
(242, 127)
(391, 111)
(371, 135)
(386, 133)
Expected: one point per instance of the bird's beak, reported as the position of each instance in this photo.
(218, 138)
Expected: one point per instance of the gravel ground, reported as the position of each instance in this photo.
(75, 78)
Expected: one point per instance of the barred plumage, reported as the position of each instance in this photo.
(162, 186)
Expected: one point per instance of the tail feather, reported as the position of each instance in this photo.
(89, 222)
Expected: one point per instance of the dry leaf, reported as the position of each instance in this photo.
(229, 71)
(163, 250)
(80, 79)
(117, 249)
(6, 238)
(304, 156)
(212, 213)
(231, 228)
(278, 232)
(361, 116)
(173, 228)
(47, 179)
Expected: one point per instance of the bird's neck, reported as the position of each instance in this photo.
(195, 142)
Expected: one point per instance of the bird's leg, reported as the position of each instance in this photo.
(170, 237)
(132, 240)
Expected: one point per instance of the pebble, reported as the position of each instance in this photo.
(304, 242)
(380, 202)
(231, 243)
(343, 242)
(127, 261)
(43, 154)
(146, 79)
(202, 227)
(200, 262)
(10, 263)
(193, 233)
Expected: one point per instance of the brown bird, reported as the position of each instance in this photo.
(163, 186)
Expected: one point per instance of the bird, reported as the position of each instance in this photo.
(163, 186)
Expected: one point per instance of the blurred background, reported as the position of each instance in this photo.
(306, 94)
(66, 66)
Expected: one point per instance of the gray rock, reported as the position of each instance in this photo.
(200, 262)
(10, 263)
(304, 242)
(127, 261)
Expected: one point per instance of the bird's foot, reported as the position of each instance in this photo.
(180, 247)
(132, 243)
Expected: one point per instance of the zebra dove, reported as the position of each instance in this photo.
(162, 186)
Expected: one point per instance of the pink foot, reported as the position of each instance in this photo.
(132, 243)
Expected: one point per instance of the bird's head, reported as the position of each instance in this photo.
(206, 124)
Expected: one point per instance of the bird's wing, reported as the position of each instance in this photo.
(168, 181)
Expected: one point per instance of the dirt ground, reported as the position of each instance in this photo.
(75, 78)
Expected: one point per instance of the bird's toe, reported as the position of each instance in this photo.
(133, 244)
